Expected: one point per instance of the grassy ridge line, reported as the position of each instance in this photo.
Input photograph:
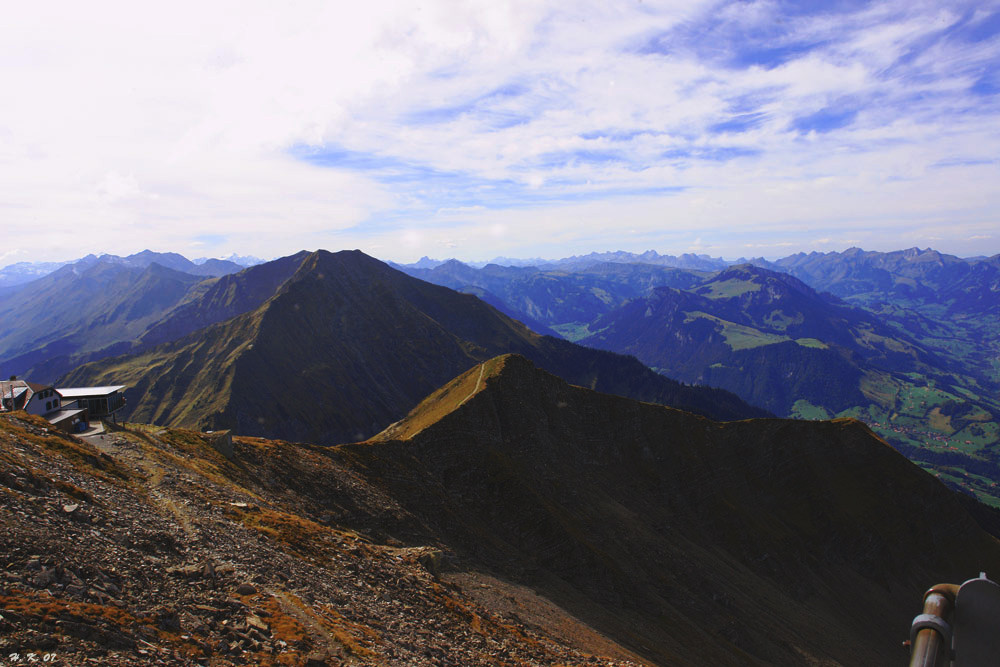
(446, 399)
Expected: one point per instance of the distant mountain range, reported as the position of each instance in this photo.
(577, 262)
(242, 260)
(913, 274)
(946, 302)
(342, 348)
(25, 272)
(556, 299)
(96, 303)
(907, 341)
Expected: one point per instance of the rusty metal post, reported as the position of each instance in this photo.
(930, 635)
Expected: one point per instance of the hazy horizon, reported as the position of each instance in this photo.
(481, 261)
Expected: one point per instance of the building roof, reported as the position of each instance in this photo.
(13, 392)
(57, 416)
(16, 392)
(84, 392)
(6, 386)
(36, 387)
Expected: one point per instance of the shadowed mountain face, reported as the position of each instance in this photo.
(346, 346)
(686, 540)
(149, 546)
(911, 349)
(948, 303)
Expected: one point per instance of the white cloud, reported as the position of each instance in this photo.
(12, 255)
(155, 125)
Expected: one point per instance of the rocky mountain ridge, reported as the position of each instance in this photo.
(510, 518)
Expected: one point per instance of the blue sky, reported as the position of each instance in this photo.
(480, 129)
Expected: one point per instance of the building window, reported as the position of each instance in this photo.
(48, 405)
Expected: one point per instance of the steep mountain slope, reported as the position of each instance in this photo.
(691, 542)
(92, 308)
(949, 305)
(345, 347)
(222, 298)
(777, 343)
(978, 292)
(506, 309)
(78, 309)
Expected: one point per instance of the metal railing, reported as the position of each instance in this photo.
(930, 634)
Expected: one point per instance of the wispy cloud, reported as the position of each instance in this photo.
(764, 122)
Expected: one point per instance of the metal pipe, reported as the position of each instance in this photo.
(931, 647)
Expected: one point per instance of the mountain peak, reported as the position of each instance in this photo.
(757, 275)
(339, 255)
(425, 262)
(321, 262)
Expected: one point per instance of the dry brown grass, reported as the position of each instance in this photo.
(443, 401)
(325, 621)
(41, 608)
(304, 537)
(80, 454)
